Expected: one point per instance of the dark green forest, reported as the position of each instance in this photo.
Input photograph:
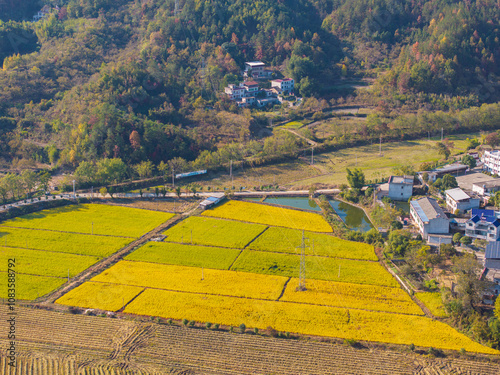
(141, 81)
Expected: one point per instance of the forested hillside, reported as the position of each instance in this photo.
(142, 81)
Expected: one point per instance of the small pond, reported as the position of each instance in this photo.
(353, 217)
(303, 203)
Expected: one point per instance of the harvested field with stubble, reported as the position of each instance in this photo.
(98, 346)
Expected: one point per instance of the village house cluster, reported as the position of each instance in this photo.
(457, 210)
(248, 93)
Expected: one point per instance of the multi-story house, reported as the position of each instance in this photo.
(256, 70)
(286, 85)
(429, 217)
(483, 225)
(401, 187)
(235, 92)
(457, 199)
(491, 161)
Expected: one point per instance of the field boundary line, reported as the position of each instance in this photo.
(257, 236)
(235, 259)
(34, 274)
(137, 295)
(284, 288)
(64, 231)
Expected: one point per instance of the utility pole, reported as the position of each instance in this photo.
(441, 134)
(176, 9)
(74, 195)
(312, 155)
(302, 270)
(173, 178)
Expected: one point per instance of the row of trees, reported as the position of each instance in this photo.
(13, 186)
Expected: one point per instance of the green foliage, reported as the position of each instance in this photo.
(456, 237)
(356, 178)
(398, 242)
(469, 161)
(465, 240)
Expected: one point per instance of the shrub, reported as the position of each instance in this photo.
(412, 347)
(350, 342)
(231, 329)
(169, 321)
(463, 351)
(272, 332)
(287, 335)
(192, 323)
(208, 325)
(185, 322)
(256, 330)
(216, 326)
(243, 327)
(435, 352)
(74, 310)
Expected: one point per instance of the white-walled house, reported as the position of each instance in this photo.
(235, 92)
(401, 187)
(486, 188)
(457, 199)
(491, 161)
(429, 217)
(286, 85)
(483, 226)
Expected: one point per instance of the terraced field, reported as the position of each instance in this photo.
(51, 245)
(234, 272)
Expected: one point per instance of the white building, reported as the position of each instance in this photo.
(235, 92)
(483, 226)
(491, 160)
(251, 88)
(429, 217)
(286, 85)
(400, 187)
(256, 69)
(212, 200)
(457, 199)
(487, 187)
(453, 169)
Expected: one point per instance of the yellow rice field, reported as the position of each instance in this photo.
(270, 215)
(194, 280)
(306, 319)
(354, 296)
(108, 297)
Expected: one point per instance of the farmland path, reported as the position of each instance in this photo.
(95, 345)
(311, 142)
(109, 261)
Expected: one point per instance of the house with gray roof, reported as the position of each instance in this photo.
(401, 187)
(429, 217)
(457, 199)
(491, 271)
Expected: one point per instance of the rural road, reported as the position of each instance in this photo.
(242, 194)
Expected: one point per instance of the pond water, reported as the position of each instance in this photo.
(353, 217)
(405, 206)
(303, 203)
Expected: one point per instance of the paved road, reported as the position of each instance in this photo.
(288, 193)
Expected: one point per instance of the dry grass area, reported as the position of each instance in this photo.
(160, 204)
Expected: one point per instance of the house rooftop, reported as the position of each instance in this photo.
(489, 219)
(427, 209)
(457, 194)
(408, 180)
(492, 250)
(251, 83)
(488, 184)
(450, 168)
(255, 63)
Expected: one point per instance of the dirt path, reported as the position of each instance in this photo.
(311, 142)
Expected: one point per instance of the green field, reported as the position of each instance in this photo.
(394, 154)
(185, 255)
(108, 220)
(46, 263)
(214, 232)
(321, 268)
(287, 240)
(84, 244)
(30, 287)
